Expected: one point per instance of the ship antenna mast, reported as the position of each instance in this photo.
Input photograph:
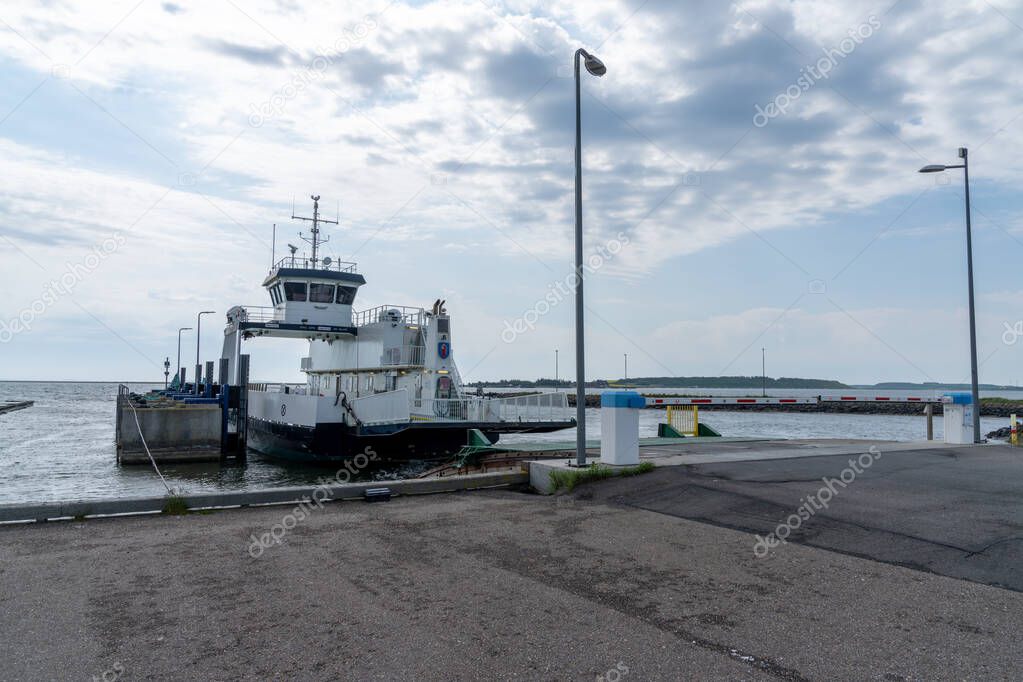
(314, 239)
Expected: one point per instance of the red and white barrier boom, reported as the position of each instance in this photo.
(715, 400)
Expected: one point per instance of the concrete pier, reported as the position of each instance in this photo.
(178, 433)
(181, 427)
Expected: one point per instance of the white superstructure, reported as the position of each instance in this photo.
(389, 365)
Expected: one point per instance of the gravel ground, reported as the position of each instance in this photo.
(492, 585)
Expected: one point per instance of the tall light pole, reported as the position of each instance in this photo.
(556, 379)
(181, 380)
(596, 68)
(965, 165)
(198, 338)
(763, 372)
(626, 366)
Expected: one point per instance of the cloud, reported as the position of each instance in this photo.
(449, 126)
(275, 55)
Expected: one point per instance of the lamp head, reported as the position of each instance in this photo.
(594, 65)
(933, 168)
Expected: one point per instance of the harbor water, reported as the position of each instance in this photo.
(62, 448)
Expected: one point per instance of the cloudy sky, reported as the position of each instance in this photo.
(750, 179)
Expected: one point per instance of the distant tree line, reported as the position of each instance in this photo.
(671, 382)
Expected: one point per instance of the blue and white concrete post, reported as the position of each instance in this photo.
(958, 409)
(619, 427)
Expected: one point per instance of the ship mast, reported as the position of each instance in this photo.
(314, 240)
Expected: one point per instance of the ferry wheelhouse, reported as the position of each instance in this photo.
(384, 378)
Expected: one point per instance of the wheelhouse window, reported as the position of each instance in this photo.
(346, 295)
(294, 291)
(321, 293)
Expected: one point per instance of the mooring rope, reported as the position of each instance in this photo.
(139, 426)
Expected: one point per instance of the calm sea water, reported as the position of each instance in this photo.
(62, 448)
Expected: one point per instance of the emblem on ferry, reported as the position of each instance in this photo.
(443, 350)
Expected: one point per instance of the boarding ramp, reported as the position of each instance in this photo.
(538, 407)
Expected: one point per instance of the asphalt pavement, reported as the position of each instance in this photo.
(954, 511)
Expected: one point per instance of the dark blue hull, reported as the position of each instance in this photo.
(331, 443)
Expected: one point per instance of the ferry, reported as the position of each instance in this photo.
(383, 378)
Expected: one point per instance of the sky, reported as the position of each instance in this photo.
(750, 180)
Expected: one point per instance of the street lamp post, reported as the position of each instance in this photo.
(198, 338)
(556, 375)
(763, 372)
(626, 367)
(965, 165)
(181, 379)
(596, 68)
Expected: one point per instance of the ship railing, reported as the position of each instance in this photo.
(395, 313)
(541, 407)
(258, 313)
(403, 356)
(446, 409)
(308, 264)
(297, 389)
(538, 407)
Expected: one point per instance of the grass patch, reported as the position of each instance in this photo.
(175, 506)
(641, 468)
(568, 479)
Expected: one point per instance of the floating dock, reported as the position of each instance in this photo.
(14, 405)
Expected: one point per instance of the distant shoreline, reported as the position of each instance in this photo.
(737, 383)
(988, 407)
(66, 381)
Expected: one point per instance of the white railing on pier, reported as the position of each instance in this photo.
(394, 313)
(308, 264)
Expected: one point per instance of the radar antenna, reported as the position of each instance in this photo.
(314, 239)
